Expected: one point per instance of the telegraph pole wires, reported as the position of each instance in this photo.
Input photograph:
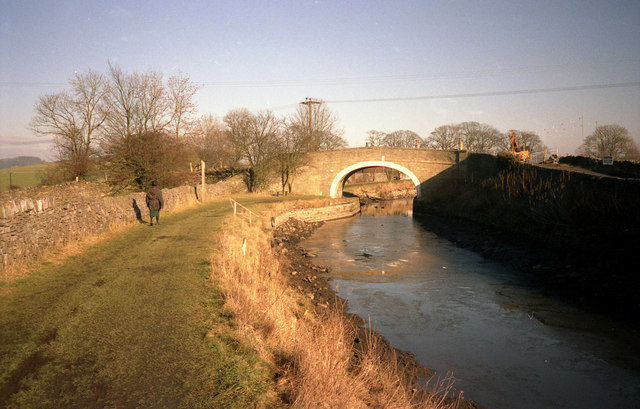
(309, 103)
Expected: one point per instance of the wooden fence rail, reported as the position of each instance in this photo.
(241, 211)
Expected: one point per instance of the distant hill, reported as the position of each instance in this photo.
(20, 161)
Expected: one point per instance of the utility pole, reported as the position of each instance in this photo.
(309, 102)
(582, 126)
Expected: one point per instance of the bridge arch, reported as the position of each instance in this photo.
(338, 180)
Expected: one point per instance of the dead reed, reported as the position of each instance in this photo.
(313, 351)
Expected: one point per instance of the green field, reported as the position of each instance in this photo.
(22, 176)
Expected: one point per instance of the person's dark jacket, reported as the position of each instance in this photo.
(154, 199)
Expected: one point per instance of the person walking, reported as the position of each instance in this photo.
(155, 202)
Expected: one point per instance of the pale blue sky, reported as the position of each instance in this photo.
(273, 54)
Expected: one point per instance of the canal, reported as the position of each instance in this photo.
(507, 345)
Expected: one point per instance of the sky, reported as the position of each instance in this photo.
(556, 68)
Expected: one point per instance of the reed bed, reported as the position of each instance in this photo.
(321, 359)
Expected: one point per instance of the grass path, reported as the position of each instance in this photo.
(134, 322)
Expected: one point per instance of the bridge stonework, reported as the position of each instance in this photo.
(324, 173)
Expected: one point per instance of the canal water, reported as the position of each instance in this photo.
(507, 345)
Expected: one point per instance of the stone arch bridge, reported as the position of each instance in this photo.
(324, 173)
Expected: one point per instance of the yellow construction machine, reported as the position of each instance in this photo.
(521, 152)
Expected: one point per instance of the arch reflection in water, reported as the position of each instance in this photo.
(400, 207)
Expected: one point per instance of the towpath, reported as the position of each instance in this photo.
(133, 322)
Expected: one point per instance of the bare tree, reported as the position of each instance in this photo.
(295, 139)
(181, 103)
(375, 138)
(239, 123)
(445, 137)
(153, 105)
(402, 139)
(395, 139)
(111, 109)
(72, 118)
(529, 139)
(325, 134)
(610, 140)
(209, 140)
(120, 121)
(144, 110)
(292, 154)
(255, 139)
(481, 138)
(138, 103)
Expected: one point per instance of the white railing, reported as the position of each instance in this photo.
(241, 211)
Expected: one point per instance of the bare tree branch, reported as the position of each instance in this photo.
(72, 118)
(181, 103)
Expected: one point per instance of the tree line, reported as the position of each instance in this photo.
(472, 136)
(606, 140)
(136, 127)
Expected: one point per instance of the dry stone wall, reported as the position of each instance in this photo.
(36, 219)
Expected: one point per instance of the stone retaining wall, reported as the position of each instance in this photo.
(344, 208)
(36, 219)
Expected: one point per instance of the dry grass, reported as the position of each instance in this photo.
(318, 366)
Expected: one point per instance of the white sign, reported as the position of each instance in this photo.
(607, 160)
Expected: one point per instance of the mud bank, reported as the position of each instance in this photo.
(313, 281)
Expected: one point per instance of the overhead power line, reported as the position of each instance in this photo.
(491, 94)
(476, 94)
